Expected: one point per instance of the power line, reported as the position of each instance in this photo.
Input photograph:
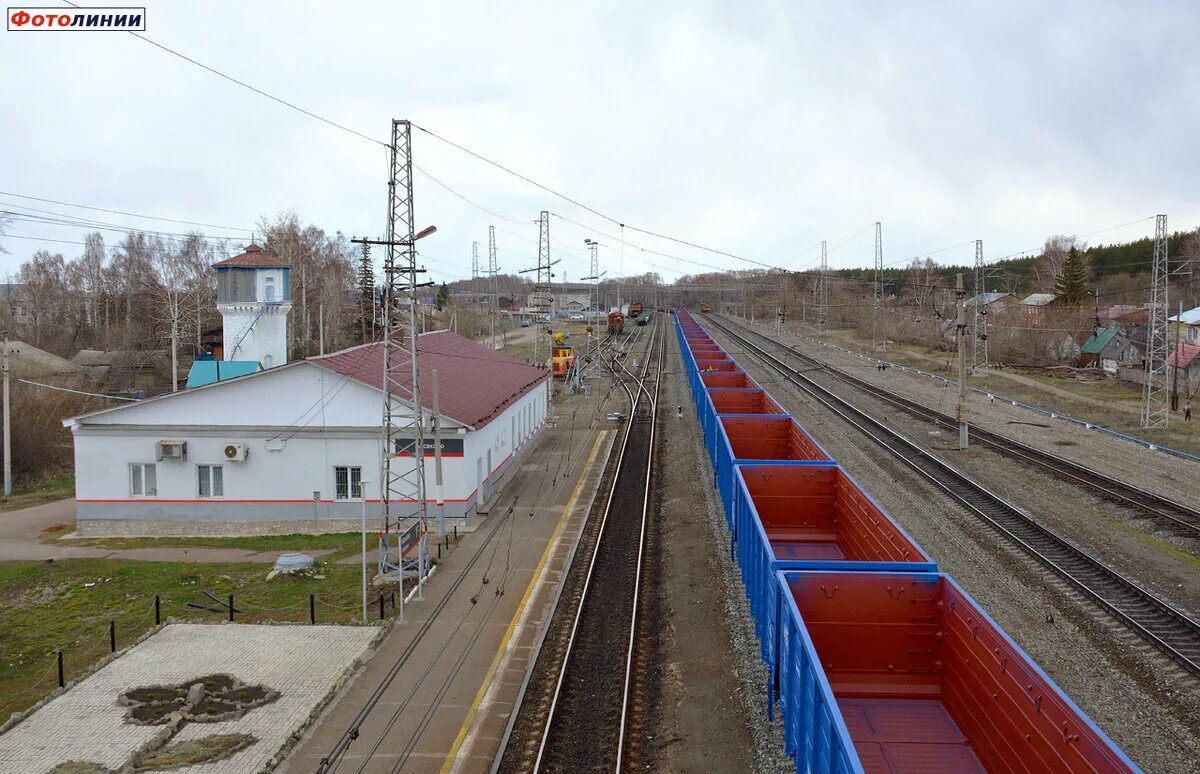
(119, 212)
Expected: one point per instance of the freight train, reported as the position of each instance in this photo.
(634, 310)
(879, 662)
(616, 323)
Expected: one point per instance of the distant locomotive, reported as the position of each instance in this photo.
(706, 309)
(635, 310)
(616, 323)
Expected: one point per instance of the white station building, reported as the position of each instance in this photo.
(286, 449)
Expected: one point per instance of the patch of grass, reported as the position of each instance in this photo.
(47, 491)
(68, 603)
(193, 751)
(270, 543)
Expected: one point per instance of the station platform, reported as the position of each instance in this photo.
(465, 647)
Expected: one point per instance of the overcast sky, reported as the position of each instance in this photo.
(755, 128)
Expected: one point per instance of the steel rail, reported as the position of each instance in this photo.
(637, 581)
(1176, 514)
(1153, 619)
(564, 668)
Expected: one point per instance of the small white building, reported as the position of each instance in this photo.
(286, 449)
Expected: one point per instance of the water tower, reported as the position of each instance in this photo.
(254, 296)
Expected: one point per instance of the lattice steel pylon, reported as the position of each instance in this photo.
(979, 322)
(823, 289)
(543, 296)
(493, 271)
(403, 417)
(594, 275)
(1155, 390)
(878, 337)
(475, 266)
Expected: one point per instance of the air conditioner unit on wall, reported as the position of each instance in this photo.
(236, 452)
(170, 450)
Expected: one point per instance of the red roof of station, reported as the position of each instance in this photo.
(1185, 357)
(475, 382)
(256, 258)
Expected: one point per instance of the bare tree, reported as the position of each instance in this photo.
(171, 288)
(924, 278)
(5, 221)
(44, 287)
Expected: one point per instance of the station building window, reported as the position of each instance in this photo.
(347, 482)
(210, 481)
(143, 480)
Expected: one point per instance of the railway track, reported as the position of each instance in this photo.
(578, 704)
(1154, 620)
(1181, 518)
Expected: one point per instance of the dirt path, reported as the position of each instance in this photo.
(20, 533)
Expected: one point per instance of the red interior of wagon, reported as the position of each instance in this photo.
(926, 683)
(716, 364)
(818, 512)
(770, 438)
(753, 401)
(727, 379)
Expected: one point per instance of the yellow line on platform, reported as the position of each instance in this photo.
(512, 625)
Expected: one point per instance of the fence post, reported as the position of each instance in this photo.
(112, 636)
(157, 610)
(393, 600)
(231, 607)
(61, 681)
(312, 608)
(381, 606)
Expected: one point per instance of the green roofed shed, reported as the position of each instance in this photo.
(1097, 341)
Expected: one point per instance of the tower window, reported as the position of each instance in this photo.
(269, 288)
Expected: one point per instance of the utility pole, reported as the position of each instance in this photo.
(621, 270)
(594, 274)
(7, 426)
(403, 418)
(1154, 390)
(979, 326)
(961, 334)
(437, 456)
(493, 272)
(878, 337)
(1178, 360)
(823, 289)
(474, 267)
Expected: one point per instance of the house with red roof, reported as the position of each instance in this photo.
(298, 447)
(1183, 369)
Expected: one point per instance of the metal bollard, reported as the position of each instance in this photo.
(231, 607)
(61, 681)
(157, 610)
(112, 636)
(381, 606)
(312, 608)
